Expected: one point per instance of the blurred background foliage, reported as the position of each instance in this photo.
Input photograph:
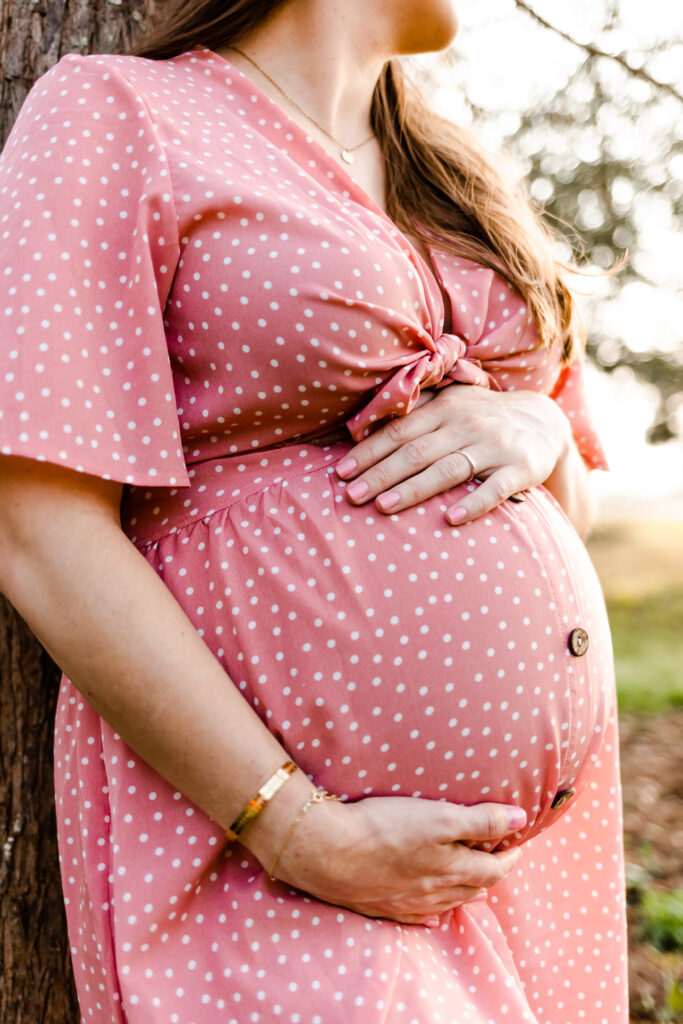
(592, 114)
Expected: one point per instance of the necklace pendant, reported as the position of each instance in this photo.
(347, 156)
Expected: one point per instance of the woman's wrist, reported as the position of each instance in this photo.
(557, 422)
(264, 835)
(307, 848)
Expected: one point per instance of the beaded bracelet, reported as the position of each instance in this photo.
(259, 801)
(316, 797)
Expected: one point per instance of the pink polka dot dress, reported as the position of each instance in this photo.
(196, 296)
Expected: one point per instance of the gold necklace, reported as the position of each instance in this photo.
(346, 152)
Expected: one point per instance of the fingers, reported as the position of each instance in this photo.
(411, 475)
(465, 873)
(393, 467)
(459, 897)
(387, 439)
(430, 464)
(476, 869)
(485, 821)
(497, 487)
(427, 911)
(483, 870)
(456, 895)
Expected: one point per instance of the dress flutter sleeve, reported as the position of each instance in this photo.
(89, 245)
(570, 394)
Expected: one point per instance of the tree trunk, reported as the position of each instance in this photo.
(36, 980)
(36, 983)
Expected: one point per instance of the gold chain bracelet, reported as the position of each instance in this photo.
(316, 797)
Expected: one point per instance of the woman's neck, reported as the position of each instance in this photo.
(323, 58)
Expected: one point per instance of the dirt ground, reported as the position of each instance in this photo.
(652, 776)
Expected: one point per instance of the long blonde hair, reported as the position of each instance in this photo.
(438, 176)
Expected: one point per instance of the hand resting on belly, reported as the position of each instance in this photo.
(397, 857)
(516, 440)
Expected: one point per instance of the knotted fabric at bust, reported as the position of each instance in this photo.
(445, 360)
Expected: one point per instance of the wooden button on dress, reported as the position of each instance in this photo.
(561, 797)
(578, 641)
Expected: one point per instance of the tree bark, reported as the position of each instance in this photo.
(36, 979)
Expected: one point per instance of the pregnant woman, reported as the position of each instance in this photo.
(294, 461)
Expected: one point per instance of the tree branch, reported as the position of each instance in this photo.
(595, 51)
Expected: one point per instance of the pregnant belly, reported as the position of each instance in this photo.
(399, 654)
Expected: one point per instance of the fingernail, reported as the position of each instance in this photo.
(480, 896)
(346, 467)
(387, 501)
(517, 818)
(456, 515)
(357, 490)
(433, 922)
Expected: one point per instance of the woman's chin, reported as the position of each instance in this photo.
(432, 35)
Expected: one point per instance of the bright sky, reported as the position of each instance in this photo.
(504, 63)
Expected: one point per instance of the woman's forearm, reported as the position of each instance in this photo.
(569, 483)
(115, 629)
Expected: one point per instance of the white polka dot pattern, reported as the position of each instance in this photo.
(90, 245)
(213, 279)
(287, 300)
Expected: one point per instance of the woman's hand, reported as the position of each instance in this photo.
(402, 858)
(516, 440)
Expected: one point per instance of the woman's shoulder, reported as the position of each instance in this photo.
(101, 90)
(84, 77)
(103, 67)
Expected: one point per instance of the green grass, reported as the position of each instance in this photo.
(662, 919)
(647, 633)
(640, 565)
